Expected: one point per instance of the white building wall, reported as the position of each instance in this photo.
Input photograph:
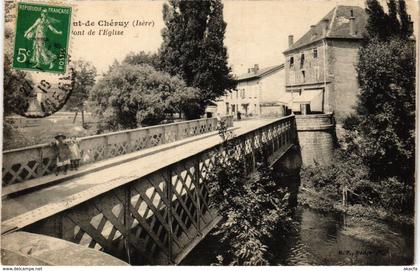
(250, 95)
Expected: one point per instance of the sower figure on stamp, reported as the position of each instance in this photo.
(75, 155)
(38, 31)
(62, 152)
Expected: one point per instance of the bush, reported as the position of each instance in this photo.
(350, 173)
(396, 196)
(252, 207)
(386, 108)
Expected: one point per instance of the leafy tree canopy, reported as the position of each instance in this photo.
(142, 57)
(84, 74)
(193, 48)
(17, 85)
(386, 108)
(383, 131)
(384, 26)
(132, 95)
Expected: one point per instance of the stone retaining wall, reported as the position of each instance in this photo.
(316, 137)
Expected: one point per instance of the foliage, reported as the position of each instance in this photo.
(129, 95)
(193, 48)
(386, 108)
(330, 180)
(405, 31)
(84, 74)
(350, 172)
(384, 26)
(17, 85)
(142, 57)
(252, 207)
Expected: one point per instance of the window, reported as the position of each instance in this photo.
(302, 60)
(303, 76)
(243, 93)
(291, 62)
(316, 69)
(315, 53)
(237, 94)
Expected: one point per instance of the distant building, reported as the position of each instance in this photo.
(259, 92)
(321, 66)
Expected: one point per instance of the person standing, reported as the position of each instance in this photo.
(62, 153)
(75, 155)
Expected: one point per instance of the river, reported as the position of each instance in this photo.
(327, 239)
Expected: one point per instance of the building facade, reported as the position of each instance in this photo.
(320, 67)
(260, 92)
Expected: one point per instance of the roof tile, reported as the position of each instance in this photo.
(259, 73)
(339, 26)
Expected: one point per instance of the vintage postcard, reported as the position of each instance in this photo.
(209, 133)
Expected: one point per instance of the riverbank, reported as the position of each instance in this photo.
(326, 238)
(364, 223)
(317, 201)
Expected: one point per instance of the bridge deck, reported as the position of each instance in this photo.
(19, 211)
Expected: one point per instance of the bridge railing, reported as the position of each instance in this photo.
(157, 217)
(39, 160)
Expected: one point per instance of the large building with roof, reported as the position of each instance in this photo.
(260, 92)
(321, 66)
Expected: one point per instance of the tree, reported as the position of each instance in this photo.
(17, 85)
(386, 74)
(385, 125)
(406, 30)
(142, 57)
(193, 48)
(84, 74)
(384, 26)
(132, 95)
(377, 20)
(214, 80)
(394, 24)
(252, 206)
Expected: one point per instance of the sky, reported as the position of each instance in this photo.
(256, 33)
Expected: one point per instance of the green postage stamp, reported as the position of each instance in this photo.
(42, 37)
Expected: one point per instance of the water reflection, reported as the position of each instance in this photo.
(323, 239)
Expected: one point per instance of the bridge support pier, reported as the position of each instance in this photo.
(317, 138)
(287, 172)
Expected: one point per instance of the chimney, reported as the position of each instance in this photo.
(290, 40)
(352, 26)
(324, 26)
(411, 27)
(256, 68)
(313, 31)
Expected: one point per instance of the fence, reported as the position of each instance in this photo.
(36, 161)
(155, 218)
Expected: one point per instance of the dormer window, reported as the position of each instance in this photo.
(302, 60)
(291, 62)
